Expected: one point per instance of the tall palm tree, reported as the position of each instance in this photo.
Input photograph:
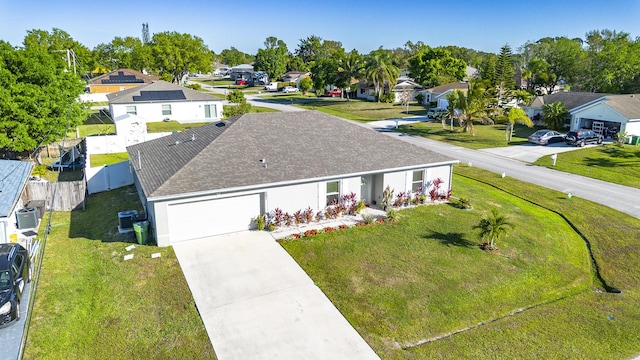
(350, 68)
(379, 69)
(471, 105)
(515, 116)
(553, 115)
(493, 227)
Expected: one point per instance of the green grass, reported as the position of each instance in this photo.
(169, 126)
(261, 109)
(612, 163)
(108, 159)
(425, 276)
(487, 136)
(361, 110)
(93, 305)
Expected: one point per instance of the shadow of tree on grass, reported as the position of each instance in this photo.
(451, 239)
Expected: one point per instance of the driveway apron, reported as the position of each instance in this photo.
(256, 302)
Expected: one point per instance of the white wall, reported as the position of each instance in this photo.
(110, 144)
(293, 198)
(184, 112)
(632, 128)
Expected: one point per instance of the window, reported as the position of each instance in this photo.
(166, 110)
(418, 180)
(362, 91)
(210, 111)
(333, 191)
(131, 109)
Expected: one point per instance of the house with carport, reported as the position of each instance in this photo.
(215, 179)
(164, 101)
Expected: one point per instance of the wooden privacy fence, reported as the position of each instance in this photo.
(53, 150)
(70, 195)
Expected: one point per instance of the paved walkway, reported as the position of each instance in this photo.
(622, 198)
(257, 303)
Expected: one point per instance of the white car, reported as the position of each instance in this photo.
(288, 89)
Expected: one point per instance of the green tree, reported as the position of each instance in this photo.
(309, 49)
(380, 70)
(613, 60)
(38, 97)
(435, 66)
(174, 55)
(474, 104)
(240, 106)
(350, 70)
(273, 58)
(128, 52)
(555, 61)
(77, 56)
(515, 116)
(493, 227)
(505, 81)
(305, 84)
(554, 114)
(233, 57)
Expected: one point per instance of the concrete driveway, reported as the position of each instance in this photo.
(531, 152)
(257, 303)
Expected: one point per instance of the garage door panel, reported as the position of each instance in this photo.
(197, 219)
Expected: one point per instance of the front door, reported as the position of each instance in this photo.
(366, 188)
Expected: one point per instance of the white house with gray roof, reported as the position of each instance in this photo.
(14, 176)
(163, 101)
(216, 178)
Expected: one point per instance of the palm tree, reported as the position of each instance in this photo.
(513, 116)
(553, 115)
(379, 69)
(350, 68)
(493, 227)
(472, 105)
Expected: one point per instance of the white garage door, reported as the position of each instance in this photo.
(200, 219)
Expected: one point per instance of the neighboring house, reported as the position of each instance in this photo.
(438, 94)
(217, 178)
(295, 76)
(471, 73)
(163, 101)
(604, 113)
(406, 86)
(244, 71)
(118, 80)
(14, 176)
(367, 91)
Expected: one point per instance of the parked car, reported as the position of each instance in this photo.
(435, 113)
(334, 92)
(289, 89)
(582, 137)
(546, 136)
(241, 82)
(15, 272)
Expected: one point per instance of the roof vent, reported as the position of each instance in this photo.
(193, 137)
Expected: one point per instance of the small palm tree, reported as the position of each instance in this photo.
(513, 116)
(493, 227)
(553, 115)
(472, 105)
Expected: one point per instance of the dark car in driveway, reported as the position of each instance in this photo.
(582, 137)
(546, 136)
(15, 272)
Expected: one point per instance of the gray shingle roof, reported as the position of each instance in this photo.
(133, 96)
(296, 146)
(460, 85)
(13, 177)
(570, 99)
(628, 104)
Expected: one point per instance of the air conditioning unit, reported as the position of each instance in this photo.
(125, 220)
(27, 218)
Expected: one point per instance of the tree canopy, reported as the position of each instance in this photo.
(273, 58)
(38, 97)
(174, 55)
(435, 66)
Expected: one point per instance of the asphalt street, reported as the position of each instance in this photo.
(622, 198)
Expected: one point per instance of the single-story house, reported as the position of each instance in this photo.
(438, 94)
(406, 86)
(14, 176)
(163, 101)
(295, 76)
(607, 114)
(217, 178)
(118, 80)
(242, 71)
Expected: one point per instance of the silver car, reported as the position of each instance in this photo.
(544, 137)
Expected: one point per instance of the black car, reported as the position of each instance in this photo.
(582, 137)
(15, 272)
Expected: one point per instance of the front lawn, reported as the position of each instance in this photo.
(399, 284)
(487, 136)
(612, 163)
(361, 110)
(170, 126)
(91, 304)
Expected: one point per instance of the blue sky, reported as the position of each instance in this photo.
(363, 25)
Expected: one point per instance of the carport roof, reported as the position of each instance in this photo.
(296, 146)
(13, 178)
